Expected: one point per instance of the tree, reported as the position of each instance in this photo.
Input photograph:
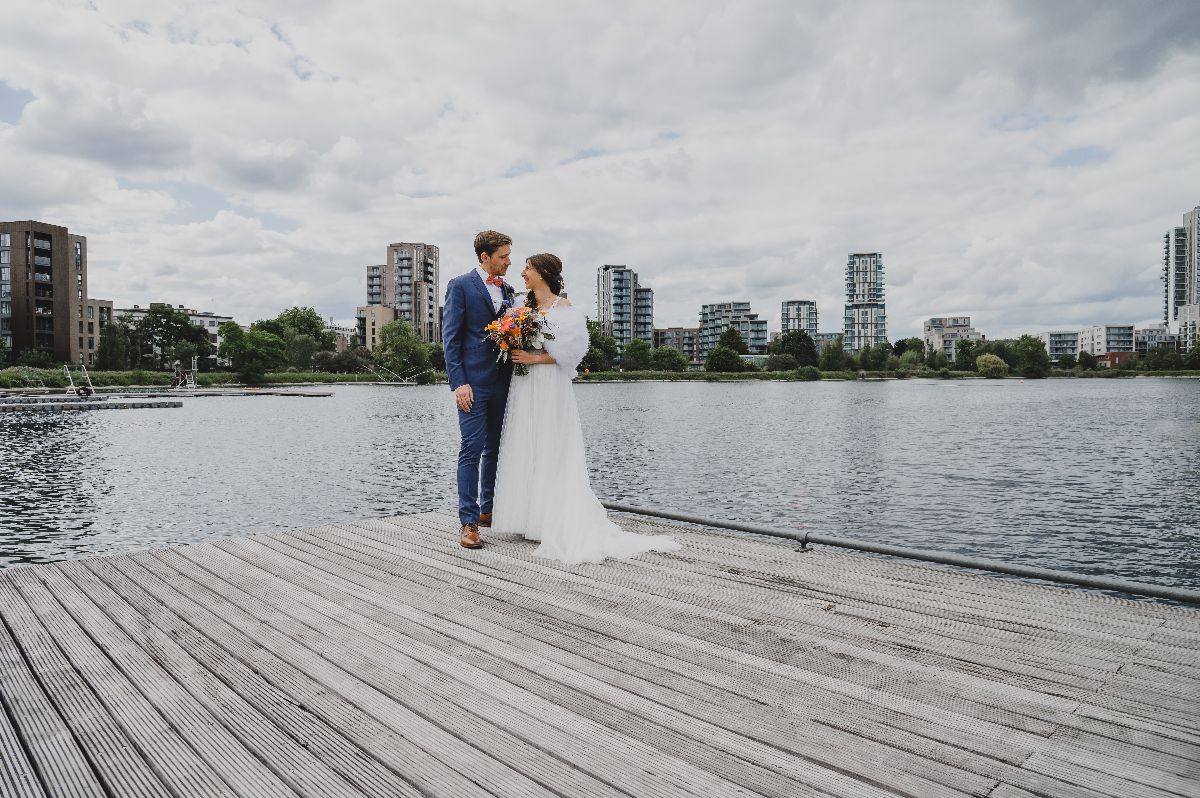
(911, 360)
(1066, 362)
(875, 358)
(799, 345)
(668, 358)
(833, 356)
(723, 359)
(1163, 358)
(991, 366)
(635, 356)
(1032, 360)
(905, 345)
(602, 350)
(437, 356)
(300, 348)
(36, 359)
(781, 361)
(161, 330)
(1192, 359)
(401, 351)
(1087, 361)
(937, 360)
(306, 321)
(965, 353)
(732, 339)
(3, 350)
(112, 353)
(253, 353)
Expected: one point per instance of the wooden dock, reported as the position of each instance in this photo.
(70, 405)
(378, 658)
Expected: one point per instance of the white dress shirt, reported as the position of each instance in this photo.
(493, 290)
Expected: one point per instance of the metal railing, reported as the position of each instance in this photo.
(962, 561)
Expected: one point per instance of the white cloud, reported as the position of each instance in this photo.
(1017, 161)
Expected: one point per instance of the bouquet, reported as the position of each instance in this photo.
(519, 328)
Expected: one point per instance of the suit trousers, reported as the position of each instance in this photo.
(480, 450)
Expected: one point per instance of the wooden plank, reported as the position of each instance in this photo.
(17, 775)
(321, 663)
(202, 727)
(750, 718)
(152, 735)
(58, 715)
(286, 758)
(1164, 707)
(944, 692)
(686, 684)
(557, 733)
(286, 711)
(439, 653)
(226, 625)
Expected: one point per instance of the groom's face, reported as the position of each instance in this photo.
(497, 263)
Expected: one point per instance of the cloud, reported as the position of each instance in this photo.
(1015, 160)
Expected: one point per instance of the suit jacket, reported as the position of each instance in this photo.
(470, 356)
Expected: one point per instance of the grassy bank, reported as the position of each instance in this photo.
(21, 377)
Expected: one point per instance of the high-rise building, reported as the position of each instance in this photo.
(1191, 234)
(716, 318)
(685, 339)
(866, 315)
(624, 308)
(1174, 273)
(43, 291)
(799, 314)
(408, 283)
(943, 334)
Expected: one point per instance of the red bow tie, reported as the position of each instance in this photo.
(496, 281)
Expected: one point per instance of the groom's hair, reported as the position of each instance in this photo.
(489, 241)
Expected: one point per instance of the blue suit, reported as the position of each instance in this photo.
(471, 360)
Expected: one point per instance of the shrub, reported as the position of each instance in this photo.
(991, 366)
(808, 373)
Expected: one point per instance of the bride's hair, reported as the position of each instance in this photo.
(550, 268)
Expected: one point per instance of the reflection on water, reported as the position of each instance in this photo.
(1088, 475)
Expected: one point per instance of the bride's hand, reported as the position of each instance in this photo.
(527, 358)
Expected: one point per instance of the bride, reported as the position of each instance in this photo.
(542, 487)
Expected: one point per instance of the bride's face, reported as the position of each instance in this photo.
(533, 280)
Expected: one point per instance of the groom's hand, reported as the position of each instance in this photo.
(464, 397)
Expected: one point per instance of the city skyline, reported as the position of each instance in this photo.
(1015, 162)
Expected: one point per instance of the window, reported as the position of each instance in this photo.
(5, 255)
(81, 327)
(91, 310)
(91, 343)
(91, 327)
(5, 240)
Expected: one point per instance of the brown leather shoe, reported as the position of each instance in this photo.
(485, 519)
(469, 537)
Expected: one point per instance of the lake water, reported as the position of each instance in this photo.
(1095, 476)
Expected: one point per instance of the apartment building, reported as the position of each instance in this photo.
(44, 291)
(943, 334)
(408, 283)
(799, 314)
(716, 318)
(865, 318)
(624, 307)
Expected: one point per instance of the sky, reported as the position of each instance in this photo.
(1017, 162)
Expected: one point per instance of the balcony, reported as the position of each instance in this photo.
(41, 261)
(41, 243)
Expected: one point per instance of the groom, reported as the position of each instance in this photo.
(473, 301)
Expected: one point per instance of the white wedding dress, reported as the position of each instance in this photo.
(542, 486)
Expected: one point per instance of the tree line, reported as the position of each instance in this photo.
(795, 350)
(296, 340)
